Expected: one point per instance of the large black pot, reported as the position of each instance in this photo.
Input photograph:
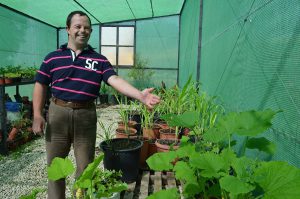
(122, 154)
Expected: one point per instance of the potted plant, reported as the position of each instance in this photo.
(121, 154)
(218, 171)
(138, 73)
(94, 182)
(28, 73)
(126, 127)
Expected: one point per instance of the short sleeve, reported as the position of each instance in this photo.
(107, 71)
(43, 75)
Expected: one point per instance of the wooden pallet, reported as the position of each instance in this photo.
(150, 182)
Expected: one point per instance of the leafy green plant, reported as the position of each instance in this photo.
(104, 89)
(221, 173)
(147, 117)
(92, 183)
(33, 193)
(106, 131)
(139, 74)
(28, 72)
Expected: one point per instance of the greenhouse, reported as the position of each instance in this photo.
(149, 99)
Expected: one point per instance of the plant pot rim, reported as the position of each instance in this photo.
(104, 146)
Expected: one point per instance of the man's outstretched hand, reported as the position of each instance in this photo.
(149, 99)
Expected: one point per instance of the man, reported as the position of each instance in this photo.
(75, 72)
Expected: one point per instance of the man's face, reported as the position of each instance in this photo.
(79, 30)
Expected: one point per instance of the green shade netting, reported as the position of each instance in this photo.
(54, 12)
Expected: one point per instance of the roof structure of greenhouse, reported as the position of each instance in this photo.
(100, 11)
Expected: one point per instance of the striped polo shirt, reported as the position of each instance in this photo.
(74, 78)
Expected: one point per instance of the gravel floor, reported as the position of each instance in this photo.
(25, 170)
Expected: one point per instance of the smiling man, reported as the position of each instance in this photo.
(75, 72)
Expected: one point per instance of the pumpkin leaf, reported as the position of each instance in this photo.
(278, 180)
(262, 144)
(209, 163)
(161, 161)
(163, 194)
(184, 172)
(60, 168)
(235, 186)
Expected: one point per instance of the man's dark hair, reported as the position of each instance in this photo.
(74, 13)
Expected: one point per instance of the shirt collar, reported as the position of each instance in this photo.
(88, 47)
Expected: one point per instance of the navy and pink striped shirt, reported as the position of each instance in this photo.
(74, 78)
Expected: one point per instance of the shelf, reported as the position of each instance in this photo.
(3, 144)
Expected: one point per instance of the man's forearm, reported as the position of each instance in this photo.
(125, 88)
(39, 94)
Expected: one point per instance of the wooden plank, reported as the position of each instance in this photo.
(171, 182)
(157, 182)
(180, 186)
(130, 191)
(144, 184)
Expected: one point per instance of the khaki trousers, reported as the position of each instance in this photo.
(67, 126)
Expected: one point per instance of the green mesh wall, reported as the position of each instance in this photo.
(167, 76)
(189, 38)
(24, 42)
(157, 41)
(94, 39)
(250, 59)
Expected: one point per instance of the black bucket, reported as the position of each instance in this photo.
(126, 159)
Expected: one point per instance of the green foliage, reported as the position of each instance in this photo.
(95, 181)
(163, 194)
(60, 168)
(139, 74)
(33, 194)
(207, 172)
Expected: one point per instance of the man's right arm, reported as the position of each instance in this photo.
(39, 95)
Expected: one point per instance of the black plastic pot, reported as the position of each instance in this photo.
(122, 154)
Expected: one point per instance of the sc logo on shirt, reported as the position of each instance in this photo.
(90, 64)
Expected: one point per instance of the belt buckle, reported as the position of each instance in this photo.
(70, 104)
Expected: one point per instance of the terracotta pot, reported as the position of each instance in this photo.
(121, 133)
(131, 124)
(8, 80)
(167, 133)
(163, 145)
(152, 149)
(12, 134)
(2, 81)
(156, 129)
(144, 153)
(162, 124)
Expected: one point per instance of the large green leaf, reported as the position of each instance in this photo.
(248, 123)
(209, 163)
(216, 135)
(184, 172)
(185, 151)
(279, 180)
(252, 123)
(187, 119)
(244, 167)
(163, 194)
(191, 189)
(228, 156)
(235, 186)
(84, 180)
(262, 144)
(161, 161)
(60, 168)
